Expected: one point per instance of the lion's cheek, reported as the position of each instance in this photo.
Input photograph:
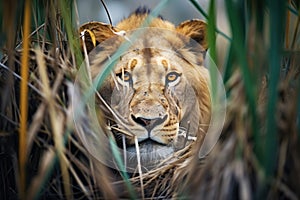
(165, 137)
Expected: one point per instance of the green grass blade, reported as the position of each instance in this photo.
(66, 12)
(229, 64)
(117, 156)
(239, 51)
(212, 48)
(206, 16)
(199, 8)
(270, 143)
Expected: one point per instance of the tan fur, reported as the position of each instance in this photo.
(150, 94)
(135, 21)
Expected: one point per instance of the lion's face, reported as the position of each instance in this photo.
(148, 94)
(157, 89)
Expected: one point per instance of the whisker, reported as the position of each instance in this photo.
(187, 133)
(123, 132)
(139, 165)
(124, 150)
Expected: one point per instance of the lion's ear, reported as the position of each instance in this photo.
(195, 29)
(95, 33)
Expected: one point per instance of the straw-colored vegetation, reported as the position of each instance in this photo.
(42, 155)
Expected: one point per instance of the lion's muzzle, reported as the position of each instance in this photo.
(147, 123)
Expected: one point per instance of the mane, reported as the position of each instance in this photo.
(144, 10)
(136, 19)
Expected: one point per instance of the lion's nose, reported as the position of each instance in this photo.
(149, 124)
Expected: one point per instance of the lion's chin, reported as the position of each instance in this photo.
(151, 154)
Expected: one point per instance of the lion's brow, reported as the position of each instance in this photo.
(132, 64)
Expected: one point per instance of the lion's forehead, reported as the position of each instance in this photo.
(150, 62)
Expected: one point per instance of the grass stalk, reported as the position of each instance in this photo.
(24, 99)
(296, 31)
(206, 16)
(212, 48)
(287, 28)
(292, 10)
(122, 169)
(47, 164)
(239, 51)
(66, 11)
(55, 118)
(270, 142)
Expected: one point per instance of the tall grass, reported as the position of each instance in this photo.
(258, 148)
(23, 99)
(276, 37)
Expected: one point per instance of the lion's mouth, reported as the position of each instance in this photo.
(148, 146)
(150, 152)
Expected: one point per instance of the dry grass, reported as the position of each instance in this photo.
(57, 164)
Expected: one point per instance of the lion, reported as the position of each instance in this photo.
(157, 94)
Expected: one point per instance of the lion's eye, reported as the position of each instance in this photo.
(172, 77)
(125, 76)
